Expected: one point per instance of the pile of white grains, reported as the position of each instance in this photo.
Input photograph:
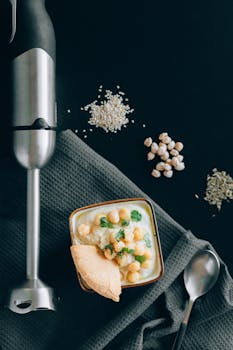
(111, 112)
(169, 153)
(219, 187)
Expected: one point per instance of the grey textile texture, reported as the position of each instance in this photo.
(146, 317)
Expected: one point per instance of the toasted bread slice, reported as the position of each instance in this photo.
(100, 274)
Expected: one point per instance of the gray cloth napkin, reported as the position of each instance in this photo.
(146, 317)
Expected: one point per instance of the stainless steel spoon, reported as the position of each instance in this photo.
(200, 276)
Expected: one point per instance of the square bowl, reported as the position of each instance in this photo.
(141, 215)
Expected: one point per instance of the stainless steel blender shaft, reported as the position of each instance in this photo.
(33, 223)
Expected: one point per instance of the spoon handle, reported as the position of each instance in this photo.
(183, 326)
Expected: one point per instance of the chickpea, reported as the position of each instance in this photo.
(160, 166)
(138, 233)
(148, 254)
(161, 136)
(156, 173)
(134, 266)
(118, 246)
(98, 217)
(119, 259)
(171, 145)
(175, 161)
(165, 156)
(150, 156)
(124, 214)
(167, 167)
(180, 158)
(179, 146)
(139, 249)
(180, 166)
(168, 173)
(130, 245)
(154, 147)
(109, 255)
(84, 229)
(161, 150)
(113, 216)
(166, 139)
(148, 141)
(169, 161)
(112, 237)
(123, 260)
(129, 235)
(133, 277)
(146, 264)
(174, 152)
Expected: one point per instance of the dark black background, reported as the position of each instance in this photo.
(174, 61)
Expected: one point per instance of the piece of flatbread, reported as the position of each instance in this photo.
(100, 274)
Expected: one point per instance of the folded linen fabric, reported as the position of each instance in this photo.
(147, 317)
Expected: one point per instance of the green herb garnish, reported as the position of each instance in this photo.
(110, 247)
(147, 240)
(126, 250)
(125, 222)
(105, 223)
(140, 258)
(120, 234)
(135, 215)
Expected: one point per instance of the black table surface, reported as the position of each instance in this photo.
(174, 62)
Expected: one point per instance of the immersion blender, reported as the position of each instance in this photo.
(34, 123)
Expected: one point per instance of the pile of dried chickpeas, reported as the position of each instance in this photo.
(169, 153)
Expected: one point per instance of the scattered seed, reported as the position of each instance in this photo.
(90, 130)
(85, 136)
(196, 196)
(84, 130)
(143, 125)
(219, 188)
(76, 131)
(68, 110)
(111, 113)
(132, 121)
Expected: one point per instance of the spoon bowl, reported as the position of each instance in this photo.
(200, 275)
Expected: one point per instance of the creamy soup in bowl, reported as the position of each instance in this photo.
(125, 232)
